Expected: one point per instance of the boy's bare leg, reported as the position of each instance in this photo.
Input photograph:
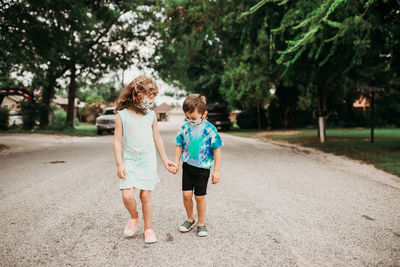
(201, 209)
(188, 203)
(128, 196)
(147, 208)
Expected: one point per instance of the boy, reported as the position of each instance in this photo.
(199, 143)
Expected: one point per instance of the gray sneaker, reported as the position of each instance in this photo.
(187, 226)
(202, 230)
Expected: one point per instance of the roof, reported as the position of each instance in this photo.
(362, 102)
(64, 101)
(163, 108)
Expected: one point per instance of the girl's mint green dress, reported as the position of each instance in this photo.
(139, 152)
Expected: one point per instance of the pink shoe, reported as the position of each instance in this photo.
(130, 227)
(149, 236)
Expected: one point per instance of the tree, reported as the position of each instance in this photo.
(337, 40)
(236, 51)
(209, 47)
(71, 38)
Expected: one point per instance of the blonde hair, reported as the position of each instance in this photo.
(129, 95)
(195, 102)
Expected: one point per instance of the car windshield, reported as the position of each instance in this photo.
(109, 112)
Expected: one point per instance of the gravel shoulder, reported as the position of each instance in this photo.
(275, 205)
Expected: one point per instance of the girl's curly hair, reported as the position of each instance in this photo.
(128, 98)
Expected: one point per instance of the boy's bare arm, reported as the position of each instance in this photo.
(177, 157)
(217, 165)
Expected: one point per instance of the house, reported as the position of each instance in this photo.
(11, 102)
(362, 102)
(162, 112)
(62, 102)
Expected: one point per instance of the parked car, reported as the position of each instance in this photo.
(15, 117)
(218, 115)
(106, 121)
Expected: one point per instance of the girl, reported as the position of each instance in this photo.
(138, 166)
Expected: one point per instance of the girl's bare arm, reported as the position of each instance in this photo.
(118, 146)
(159, 143)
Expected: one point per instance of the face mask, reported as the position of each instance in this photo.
(195, 122)
(147, 103)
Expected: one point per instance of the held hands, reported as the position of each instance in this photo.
(121, 171)
(171, 167)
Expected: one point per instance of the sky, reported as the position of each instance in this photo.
(133, 72)
(129, 75)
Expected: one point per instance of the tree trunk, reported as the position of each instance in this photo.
(71, 97)
(44, 108)
(258, 117)
(50, 80)
(287, 103)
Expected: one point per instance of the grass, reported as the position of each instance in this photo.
(353, 143)
(83, 128)
(80, 129)
(351, 133)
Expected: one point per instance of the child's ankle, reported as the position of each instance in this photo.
(137, 216)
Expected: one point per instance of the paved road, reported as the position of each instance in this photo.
(275, 206)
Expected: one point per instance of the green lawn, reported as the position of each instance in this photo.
(348, 133)
(81, 129)
(353, 143)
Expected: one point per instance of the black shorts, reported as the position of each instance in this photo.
(194, 178)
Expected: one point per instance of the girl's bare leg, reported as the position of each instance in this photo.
(147, 207)
(128, 196)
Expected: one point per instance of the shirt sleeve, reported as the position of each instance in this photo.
(179, 138)
(216, 140)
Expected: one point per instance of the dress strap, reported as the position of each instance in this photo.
(152, 116)
(122, 114)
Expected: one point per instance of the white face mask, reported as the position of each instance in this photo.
(195, 122)
(147, 102)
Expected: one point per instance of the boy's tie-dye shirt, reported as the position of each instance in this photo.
(198, 143)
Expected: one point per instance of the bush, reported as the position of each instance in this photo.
(94, 98)
(81, 114)
(91, 111)
(29, 114)
(59, 120)
(4, 116)
(248, 119)
(60, 116)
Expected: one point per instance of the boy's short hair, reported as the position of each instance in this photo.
(195, 102)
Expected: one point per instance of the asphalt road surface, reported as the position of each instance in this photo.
(275, 205)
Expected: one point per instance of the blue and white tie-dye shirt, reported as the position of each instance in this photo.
(198, 143)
